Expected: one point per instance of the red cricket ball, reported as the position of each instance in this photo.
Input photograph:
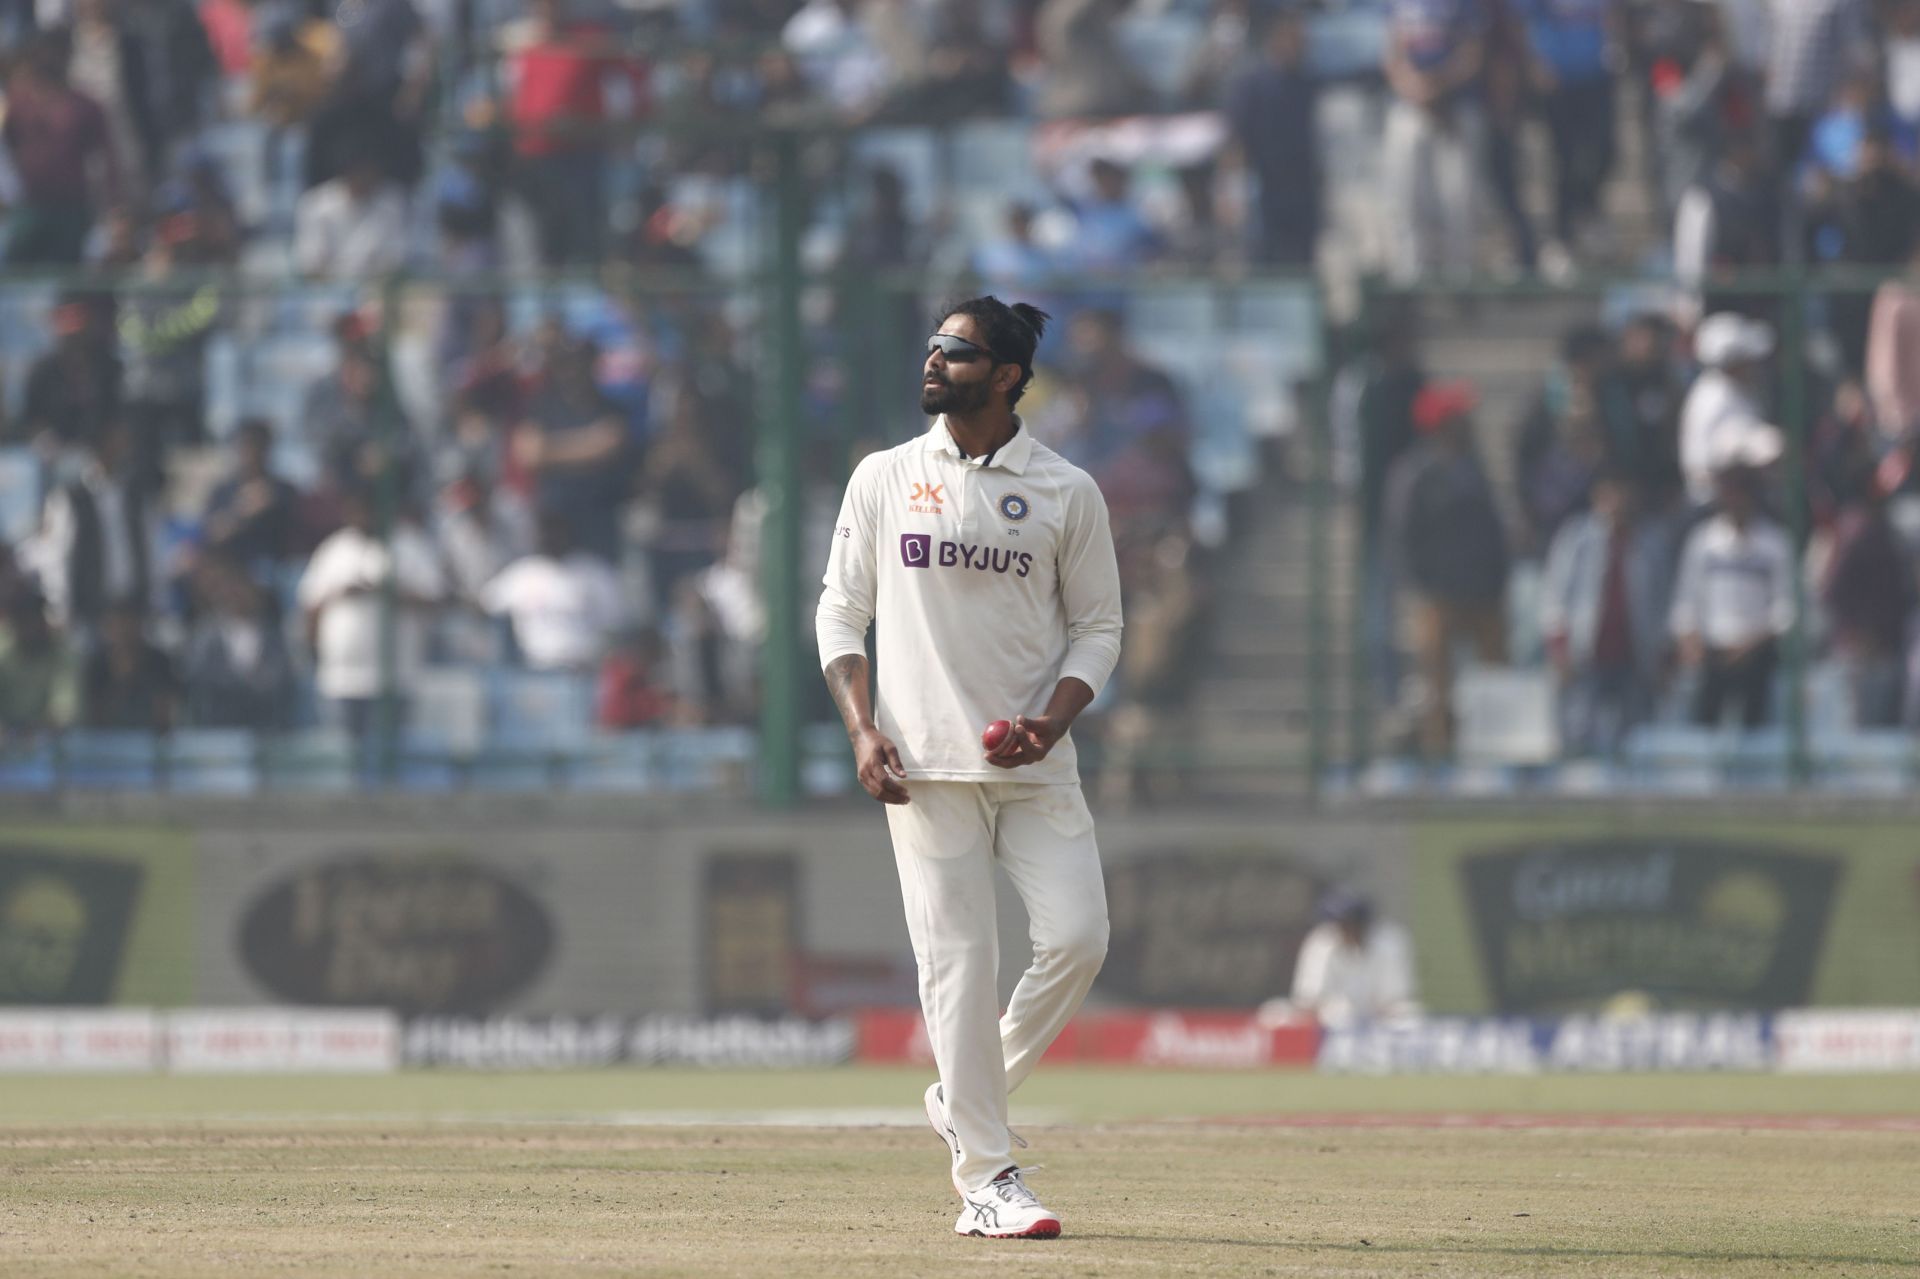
(995, 734)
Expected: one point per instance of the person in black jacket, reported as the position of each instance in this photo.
(1450, 546)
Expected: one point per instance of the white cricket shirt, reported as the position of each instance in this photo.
(988, 581)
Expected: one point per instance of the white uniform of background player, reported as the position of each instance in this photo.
(993, 587)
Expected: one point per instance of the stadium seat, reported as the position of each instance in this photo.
(546, 710)
(310, 760)
(26, 768)
(449, 704)
(94, 759)
(1673, 759)
(1864, 761)
(212, 761)
(617, 763)
(1506, 716)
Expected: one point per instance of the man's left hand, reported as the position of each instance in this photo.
(1031, 740)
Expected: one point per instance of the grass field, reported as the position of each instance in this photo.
(829, 1173)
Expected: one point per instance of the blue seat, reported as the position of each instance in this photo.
(27, 768)
(550, 710)
(316, 760)
(212, 761)
(618, 764)
(1863, 761)
(98, 759)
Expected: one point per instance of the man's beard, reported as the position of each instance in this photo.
(954, 397)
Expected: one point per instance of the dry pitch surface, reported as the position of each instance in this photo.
(768, 1175)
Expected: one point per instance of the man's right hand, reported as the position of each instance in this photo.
(880, 769)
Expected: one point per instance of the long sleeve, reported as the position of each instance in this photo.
(848, 599)
(1685, 617)
(1089, 589)
(1310, 967)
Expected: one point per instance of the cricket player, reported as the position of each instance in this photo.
(986, 559)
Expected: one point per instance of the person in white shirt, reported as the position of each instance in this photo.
(1732, 603)
(1352, 967)
(987, 560)
(352, 227)
(564, 604)
(343, 598)
(1723, 404)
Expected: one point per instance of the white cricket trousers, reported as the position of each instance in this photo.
(946, 844)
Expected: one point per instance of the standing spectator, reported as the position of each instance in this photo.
(1733, 602)
(250, 515)
(1087, 72)
(101, 66)
(1868, 590)
(1728, 221)
(62, 151)
(485, 230)
(1815, 44)
(1700, 94)
(238, 671)
(171, 73)
(377, 98)
(344, 596)
(165, 333)
(1603, 611)
(1893, 354)
(1723, 405)
(75, 388)
(130, 683)
(574, 442)
(836, 51)
(1571, 45)
(564, 604)
(352, 227)
(1110, 232)
(1352, 968)
(481, 529)
(39, 679)
(1444, 529)
(292, 68)
(95, 544)
(560, 115)
(692, 485)
(1570, 433)
(633, 690)
(1272, 109)
(1875, 213)
(1435, 133)
(352, 418)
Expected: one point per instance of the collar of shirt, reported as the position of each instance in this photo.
(1012, 455)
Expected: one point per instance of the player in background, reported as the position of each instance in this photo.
(985, 560)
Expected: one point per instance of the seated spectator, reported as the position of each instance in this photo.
(1086, 72)
(1603, 610)
(1450, 549)
(62, 151)
(1121, 399)
(574, 443)
(352, 227)
(39, 677)
(1014, 258)
(1733, 601)
(251, 514)
(352, 418)
(1723, 405)
(564, 604)
(130, 683)
(1110, 232)
(634, 689)
(485, 229)
(344, 596)
(238, 671)
(1271, 109)
(1868, 591)
(75, 387)
(1352, 968)
(95, 542)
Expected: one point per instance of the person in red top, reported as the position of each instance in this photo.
(560, 113)
(60, 147)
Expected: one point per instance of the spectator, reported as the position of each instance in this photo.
(1728, 221)
(1435, 130)
(1815, 43)
(1015, 258)
(1723, 404)
(1087, 73)
(352, 227)
(837, 54)
(1654, 390)
(691, 486)
(62, 150)
(165, 333)
(574, 443)
(170, 72)
(101, 65)
(1110, 233)
(885, 237)
(1603, 611)
(75, 388)
(1733, 601)
(130, 683)
(39, 679)
(1272, 110)
(1352, 968)
(560, 114)
(563, 603)
(1893, 353)
(481, 529)
(633, 690)
(485, 230)
(293, 68)
(1874, 213)
(352, 418)
(352, 579)
(1571, 46)
(1868, 591)
(1444, 529)
(95, 543)
(251, 514)
(1702, 95)
(1569, 434)
(238, 671)
(1121, 399)
(377, 96)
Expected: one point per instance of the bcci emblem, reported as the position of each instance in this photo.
(1014, 507)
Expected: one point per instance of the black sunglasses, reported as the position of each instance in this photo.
(957, 350)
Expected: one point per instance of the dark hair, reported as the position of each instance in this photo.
(1584, 342)
(1010, 333)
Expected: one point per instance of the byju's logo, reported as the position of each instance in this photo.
(916, 549)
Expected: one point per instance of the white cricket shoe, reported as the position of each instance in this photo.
(935, 1101)
(1006, 1209)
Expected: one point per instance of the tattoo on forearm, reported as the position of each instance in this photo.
(847, 682)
